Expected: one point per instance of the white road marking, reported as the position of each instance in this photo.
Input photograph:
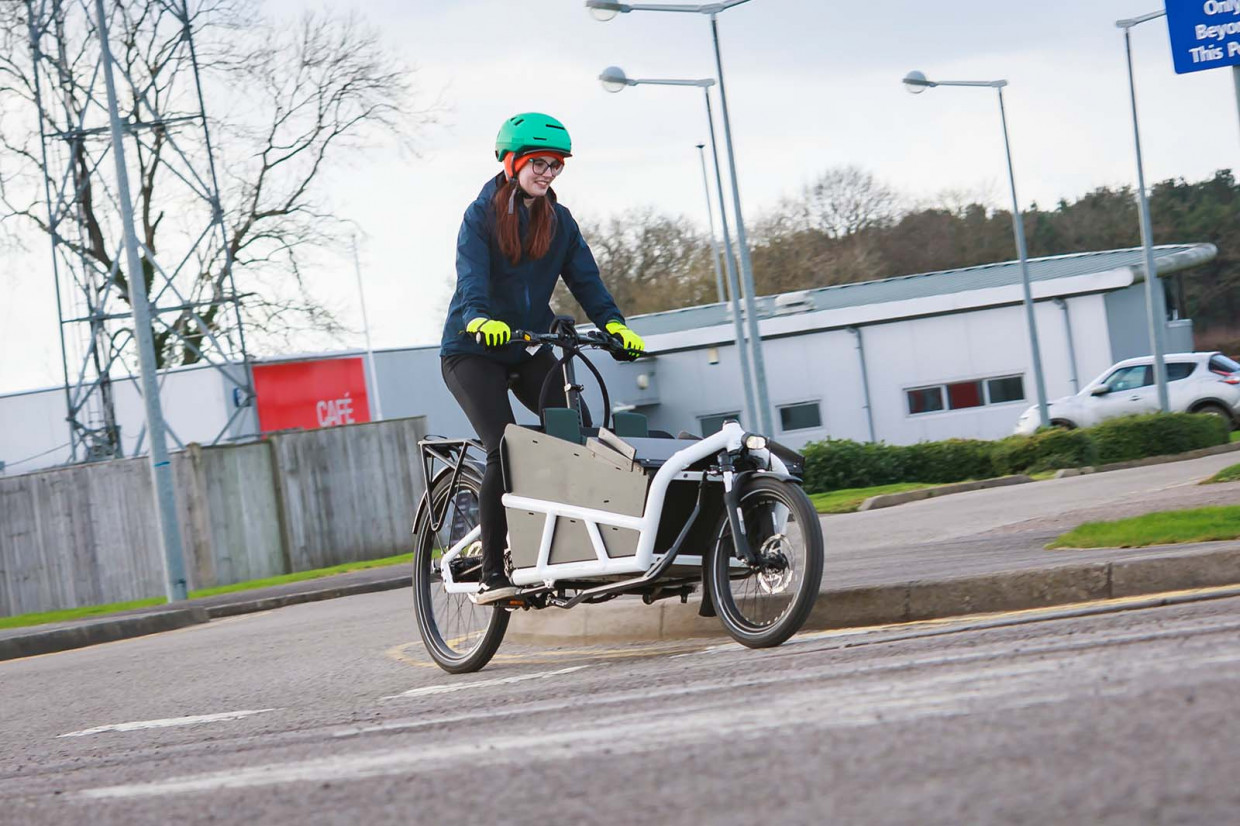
(169, 722)
(449, 688)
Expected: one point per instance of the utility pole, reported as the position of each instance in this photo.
(161, 466)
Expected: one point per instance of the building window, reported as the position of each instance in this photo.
(714, 423)
(963, 395)
(925, 400)
(1010, 389)
(804, 416)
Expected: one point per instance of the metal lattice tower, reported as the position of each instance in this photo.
(183, 242)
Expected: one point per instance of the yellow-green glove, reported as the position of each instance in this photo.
(489, 332)
(629, 340)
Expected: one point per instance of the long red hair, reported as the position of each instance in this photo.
(508, 224)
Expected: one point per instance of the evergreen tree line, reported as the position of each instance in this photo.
(846, 226)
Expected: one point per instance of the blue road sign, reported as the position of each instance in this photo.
(1205, 34)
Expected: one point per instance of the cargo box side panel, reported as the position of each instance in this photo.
(525, 530)
(544, 467)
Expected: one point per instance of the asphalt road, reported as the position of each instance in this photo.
(329, 713)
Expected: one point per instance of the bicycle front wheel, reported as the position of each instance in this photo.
(460, 636)
(762, 606)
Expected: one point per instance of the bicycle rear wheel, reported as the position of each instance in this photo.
(460, 636)
(763, 606)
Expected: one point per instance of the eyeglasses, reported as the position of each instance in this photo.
(541, 166)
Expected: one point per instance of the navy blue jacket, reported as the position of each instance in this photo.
(488, 285)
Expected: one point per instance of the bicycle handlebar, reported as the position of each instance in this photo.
(592, 338)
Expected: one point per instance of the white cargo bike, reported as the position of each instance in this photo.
(595, 514)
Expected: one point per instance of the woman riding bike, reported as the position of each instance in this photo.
(515, 241)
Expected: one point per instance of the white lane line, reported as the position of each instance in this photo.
(169, 722)
(449, 688)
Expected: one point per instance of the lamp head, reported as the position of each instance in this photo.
(614, 79)
(915, 82)
(604, 11)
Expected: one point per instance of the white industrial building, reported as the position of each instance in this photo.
(901, 360)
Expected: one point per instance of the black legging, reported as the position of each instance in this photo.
(481, 387)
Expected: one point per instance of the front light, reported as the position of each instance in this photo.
(755, 442)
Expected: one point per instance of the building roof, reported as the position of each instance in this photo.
(1167, 259)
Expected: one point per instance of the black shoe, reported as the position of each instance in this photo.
(494, 588)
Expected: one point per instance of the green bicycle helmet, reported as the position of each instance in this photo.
(531, 131)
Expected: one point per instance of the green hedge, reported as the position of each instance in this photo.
(835, 464)
(1158, 434)
(1045, 450)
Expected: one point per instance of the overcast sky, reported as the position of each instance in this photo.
(812, 84)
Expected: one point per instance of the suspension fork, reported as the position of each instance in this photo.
(733, 481)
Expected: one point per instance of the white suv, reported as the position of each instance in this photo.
(1196, 383)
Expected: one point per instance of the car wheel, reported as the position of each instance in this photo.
(1216, 410)
(1063, 424)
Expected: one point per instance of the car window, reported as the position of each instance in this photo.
(1177, 370)
(1222, 364)
(1130, 378)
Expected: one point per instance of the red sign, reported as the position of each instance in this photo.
(311, 394)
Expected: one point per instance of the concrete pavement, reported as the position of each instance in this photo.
(971, 552)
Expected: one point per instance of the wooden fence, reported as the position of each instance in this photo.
(87, 535)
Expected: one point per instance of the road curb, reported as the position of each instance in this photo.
(267, 603)
(887, 500)
(1231, 447)
(627, 619)
(104, 630)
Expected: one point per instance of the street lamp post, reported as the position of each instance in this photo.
(917, 83)
(710, 221)
(606, 11)
(1155, 301)
(614, 79)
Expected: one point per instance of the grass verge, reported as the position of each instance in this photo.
(44, 617)
(849, 499)
(68, 614)
(1227, 474)
(1165, 528)
(301, 576)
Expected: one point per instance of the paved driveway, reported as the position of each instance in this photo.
(1007, 528)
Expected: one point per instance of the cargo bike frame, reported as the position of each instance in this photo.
(595, 514)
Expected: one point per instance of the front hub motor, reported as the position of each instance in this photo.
(776, 573)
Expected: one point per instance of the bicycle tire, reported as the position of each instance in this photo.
(738, 620)
(483, 626)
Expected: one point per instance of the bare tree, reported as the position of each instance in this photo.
(826, 235)
(840, 202)
(649, 262)
(285, 105)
